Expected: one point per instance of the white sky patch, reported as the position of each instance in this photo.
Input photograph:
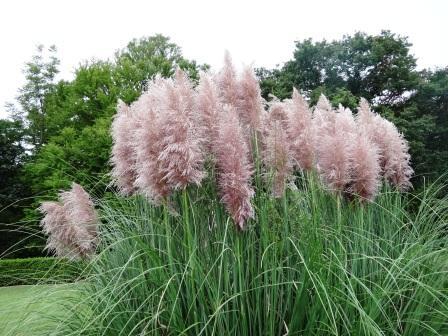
(261, 33)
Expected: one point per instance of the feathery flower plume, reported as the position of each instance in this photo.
(207, 104)
(71, 224)
(301, 132)
(393, 148)
(60, 234)
(227, 82)
(147, 144)
(335, 150)
(122, 159)
(234, 168)
(250, 107)
(81, 215)
(180, 159)
(324, 116)
(277, 157)
(366, 170)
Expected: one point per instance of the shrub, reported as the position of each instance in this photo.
(32, 271)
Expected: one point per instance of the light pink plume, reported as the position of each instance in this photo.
(324, 117)
(335, 150)
(147, 143)
(393, 148)
(122, 159)
(181, 156)
(207, 104)
(366, 171)
(227, 82)
(234, 168)
(72, 224)
(250, 102)
(81, 218)
(301, 132)
(277, 157)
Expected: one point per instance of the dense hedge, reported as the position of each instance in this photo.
(33, 271)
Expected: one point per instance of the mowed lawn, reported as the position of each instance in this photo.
(32, 310)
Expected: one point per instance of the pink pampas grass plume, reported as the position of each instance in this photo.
(393, 147)
(366, 170)
(234, 168)
(227, 82)
(301, 132)
(71, 224)
(147, 144)
(250, 106)
(335, 150)
(324, 117)
(180, 159)
(207, 104)
(122, 159)
(60, 234)
(81, 218)
(277, 157)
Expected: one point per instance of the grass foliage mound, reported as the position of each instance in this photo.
(312, 263)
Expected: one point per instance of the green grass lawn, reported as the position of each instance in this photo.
(32, 310)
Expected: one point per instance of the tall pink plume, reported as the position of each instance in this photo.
(277, 157)
(181, 156)
(335, 150)
(147, 143)
(227, 82)
(324, 117)
(122, 159)
(207, 104)
(250, 102)
(301, 132)
(366, 170)
(234, 168)
(393, 148)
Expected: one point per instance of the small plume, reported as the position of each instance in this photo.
(301, 132)
(180, 159)
(122, 159)
(71, 224)
(234, 168)
(227, 82)
(250, 107)
(81, 215)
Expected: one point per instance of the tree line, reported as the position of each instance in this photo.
(58, 131)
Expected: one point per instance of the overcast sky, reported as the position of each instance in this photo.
(258, 32)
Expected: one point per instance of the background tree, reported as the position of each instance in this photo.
(13, 191)
(40, 75)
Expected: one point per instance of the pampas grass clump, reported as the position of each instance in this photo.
(324, 243)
